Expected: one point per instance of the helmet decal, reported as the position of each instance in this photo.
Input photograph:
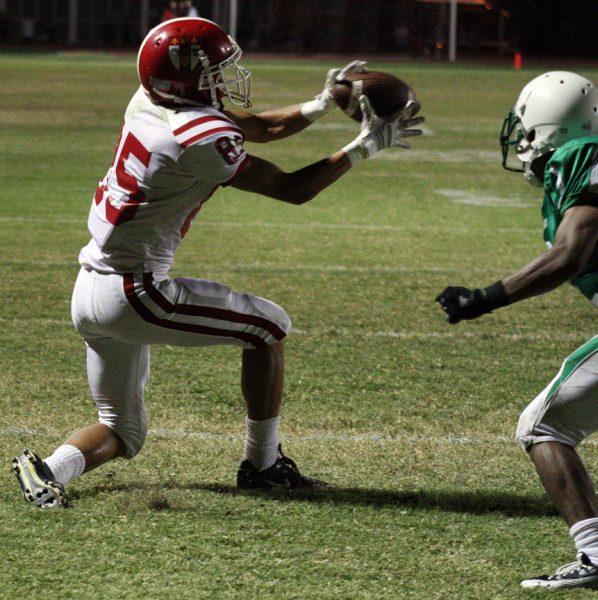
(184, 53)
(159, 84)
(192, 62)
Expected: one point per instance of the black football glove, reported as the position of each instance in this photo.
(462, 303)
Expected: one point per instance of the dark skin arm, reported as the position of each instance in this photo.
(575, 243)
(262, 177)
(271, 125)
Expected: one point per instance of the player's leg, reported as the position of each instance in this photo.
(117, 374)
(195, 312)
(264, 466)
(566, 480)
(98, 444)
(262, 378)
(564, 414)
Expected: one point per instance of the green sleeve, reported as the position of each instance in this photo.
(574, 174)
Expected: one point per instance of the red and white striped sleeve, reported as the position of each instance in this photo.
(213, 146)
(203, 127)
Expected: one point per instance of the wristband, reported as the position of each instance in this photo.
(495, 296)
(315, 109)
(355, 151)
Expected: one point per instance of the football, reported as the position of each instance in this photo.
(387, 94)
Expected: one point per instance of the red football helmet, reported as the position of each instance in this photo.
(191, 61)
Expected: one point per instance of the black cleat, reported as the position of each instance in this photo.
(36, 481)
(579, 574)
(282, 475)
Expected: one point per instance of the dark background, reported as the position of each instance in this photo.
(566, 28)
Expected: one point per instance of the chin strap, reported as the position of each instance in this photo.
(530, 176)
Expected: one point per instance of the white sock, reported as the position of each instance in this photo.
(585, 536)
(66, 462)
(261, 442)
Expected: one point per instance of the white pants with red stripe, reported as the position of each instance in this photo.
(121, 316)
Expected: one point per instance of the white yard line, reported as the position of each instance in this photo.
(39, 263)
(462, 439)
(439, 156)
(323, 437)
(331, 269)
(364, 227)
(473, 198)
(34, 321)
(11, 219)
(427, 335)
(260, 267)
(352, 126)
(302, 226)
(372, 333)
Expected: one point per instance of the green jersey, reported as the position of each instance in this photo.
(571, 179)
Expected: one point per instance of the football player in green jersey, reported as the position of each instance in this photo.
(553, 129)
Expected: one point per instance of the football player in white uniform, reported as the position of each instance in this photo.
(177, 146)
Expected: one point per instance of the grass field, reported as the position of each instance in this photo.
(411, 419)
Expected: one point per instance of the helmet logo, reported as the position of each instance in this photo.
(184, 53)
(159, 84)
(587, 125)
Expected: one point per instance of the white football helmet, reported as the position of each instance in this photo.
(552, 109)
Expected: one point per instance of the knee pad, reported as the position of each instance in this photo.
(277, 321)
(283, 320)
(538, 424)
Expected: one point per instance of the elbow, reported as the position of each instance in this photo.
(263, 138)
(259, 138)
(298, 196)
(576, 265)
(266, 135)
(299, 199)
(287, 190)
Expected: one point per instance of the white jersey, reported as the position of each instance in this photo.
(167, 164)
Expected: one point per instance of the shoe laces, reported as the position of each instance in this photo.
(288, 465)
(573, 568)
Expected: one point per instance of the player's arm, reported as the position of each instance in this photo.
(575, 243)
(263, 177)
(270, 125)
(279, 123)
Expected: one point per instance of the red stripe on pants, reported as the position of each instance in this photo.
(210, 312)
(147, 315)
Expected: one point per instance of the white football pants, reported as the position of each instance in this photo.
(120, 316)
(566, 411)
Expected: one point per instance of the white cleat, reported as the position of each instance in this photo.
(579, 574)
(36, 481)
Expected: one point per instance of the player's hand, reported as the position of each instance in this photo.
(388, 133)
(461, 303)
(336, 75)
(324, 102)
(378, 133)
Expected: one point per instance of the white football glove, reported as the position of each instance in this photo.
(324, 102)
(378, 133)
